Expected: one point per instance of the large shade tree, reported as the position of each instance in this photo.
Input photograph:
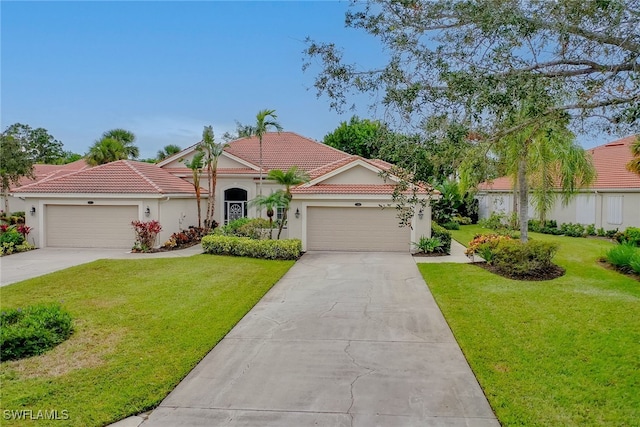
(40, 146)
(15, 163)
(477, 60)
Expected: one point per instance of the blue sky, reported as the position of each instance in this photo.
(165, 69)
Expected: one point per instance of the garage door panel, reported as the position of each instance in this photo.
(90, 226)
(356, 229)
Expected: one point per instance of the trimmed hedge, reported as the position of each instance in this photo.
(32, 331)
(246, 247)
(443, 235)
(515, 258)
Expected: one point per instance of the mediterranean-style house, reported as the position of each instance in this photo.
(338, 209)
(612, 201)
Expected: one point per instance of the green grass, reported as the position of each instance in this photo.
(141, 326)
(554, 353)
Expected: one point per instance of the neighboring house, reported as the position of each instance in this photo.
(339, 209)
(40, 172)
(612, 201)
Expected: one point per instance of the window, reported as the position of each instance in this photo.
(614, 210)
(586, 209)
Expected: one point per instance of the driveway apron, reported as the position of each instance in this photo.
(343, 339)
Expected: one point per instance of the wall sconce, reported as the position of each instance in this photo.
(297, 213)
(421, 213)
(147, 212)
(33, 210)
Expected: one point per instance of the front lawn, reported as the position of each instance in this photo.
(140, 327)
(554, 353)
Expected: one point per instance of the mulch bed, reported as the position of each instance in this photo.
(608, 266)
(551, 273)
(177, 248)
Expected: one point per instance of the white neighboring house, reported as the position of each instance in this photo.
(612, 201)
(339, 209)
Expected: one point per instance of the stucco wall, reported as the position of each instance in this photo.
(587, 208)
(357, 174)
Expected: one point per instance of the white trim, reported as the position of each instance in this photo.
(343, 168)
(104, 195)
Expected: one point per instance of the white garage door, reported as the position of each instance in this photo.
(356, 229)
(90, 226)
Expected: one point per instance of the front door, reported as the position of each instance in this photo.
(235, 204)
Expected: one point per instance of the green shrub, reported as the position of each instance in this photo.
(621, 256)
(611, 234)
(32, 331)
(514, 258)
(443, 235)
(600, 232)
(462, 220)
(573, 230)
(232, 227)
(11, 236)
(429, 245)
(247, 247)
(494, 222)
(631, 236)
(451, 225)
(257, 228)
(591, 230)
(634, 262)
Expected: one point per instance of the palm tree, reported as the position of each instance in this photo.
(196, 169)
(288, 179)
(634, 164)
(106, 150)
(265, 119)
(212, 152)
(541, 157)
(167, 151)
(275, 200)
(127, 138)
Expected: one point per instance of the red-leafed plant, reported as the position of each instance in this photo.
(24, 230)
(146, 234)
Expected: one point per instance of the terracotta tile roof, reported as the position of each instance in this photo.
(609, 161)
(42, 171)
(283, 150)
(386, 189)
(221, 171)
(329, 167)
(123, 176)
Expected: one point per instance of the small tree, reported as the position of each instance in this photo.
(212, 152)
(265, 119)
(275, 200)
(292, 177)
(167, 151)
(196, 169)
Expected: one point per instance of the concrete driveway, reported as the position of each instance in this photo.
(26, 265)
(344, 339)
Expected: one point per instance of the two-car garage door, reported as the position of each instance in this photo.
(90, 226)
(356, 229)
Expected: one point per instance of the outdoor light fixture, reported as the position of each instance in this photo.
(33, 210)
(148, 211)
(297, 213)
(421, 213)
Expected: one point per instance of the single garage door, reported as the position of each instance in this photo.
(90, 226)
(356, 229)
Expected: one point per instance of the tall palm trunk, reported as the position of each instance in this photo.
(523, 195)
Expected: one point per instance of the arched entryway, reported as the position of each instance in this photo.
(235, 204)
